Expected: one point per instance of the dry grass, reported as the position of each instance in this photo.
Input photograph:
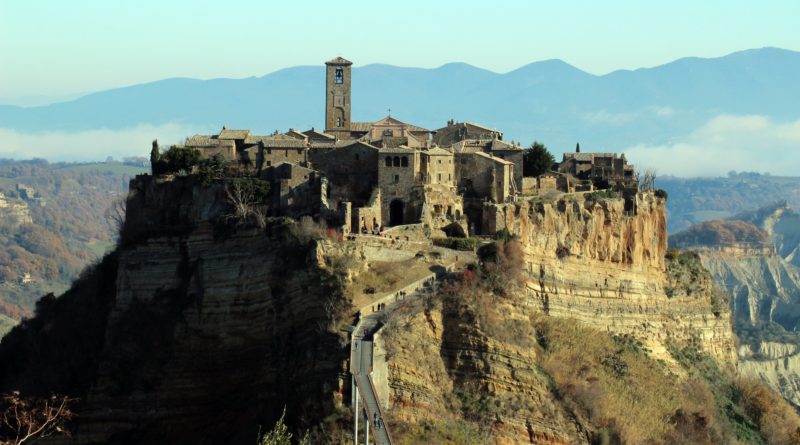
(384, 276)
(627, 397)
(611, 383)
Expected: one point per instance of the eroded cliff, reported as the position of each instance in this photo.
(596, 262)
(468, 364)
(203, 329)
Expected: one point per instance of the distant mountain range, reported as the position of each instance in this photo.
(550, 101)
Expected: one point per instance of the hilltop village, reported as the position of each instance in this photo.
(363, 177)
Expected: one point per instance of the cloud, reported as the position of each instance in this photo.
(725, 143)
(92, 145)
(605, 117)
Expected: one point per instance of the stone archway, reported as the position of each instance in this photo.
(396, 209)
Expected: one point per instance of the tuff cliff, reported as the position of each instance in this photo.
(593, 260)
(467, 364)
(758, 275)
(195, 330)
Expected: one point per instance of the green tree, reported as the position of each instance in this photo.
(536, 160)
(280, 435)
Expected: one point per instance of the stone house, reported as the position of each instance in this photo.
(296, 191)
(460, 131)
(603, 169)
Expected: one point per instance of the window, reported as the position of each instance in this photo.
(396, 179)
(338, 121)
(269, 151)
(396, 161)
(439, 177)
(388, 133)
(269, 163)
(404, 161)
(449, 177)
(388, 161)
(356, 156)
(339, 76)
(286, 154)
(440, 161)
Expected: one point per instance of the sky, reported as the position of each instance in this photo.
(56, 49)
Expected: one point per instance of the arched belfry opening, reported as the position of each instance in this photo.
(396, 210)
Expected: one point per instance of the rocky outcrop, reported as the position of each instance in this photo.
(605, 266)
(13, 212)
(588, 260)
(764, 291)
(210, 330)
(443, 369)
(776, 364)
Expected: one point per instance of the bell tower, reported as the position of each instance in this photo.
(337, 95)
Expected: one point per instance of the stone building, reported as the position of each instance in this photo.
(603, 169)
(297, 191)
(461, 131)
(375, 174)
(337, 97)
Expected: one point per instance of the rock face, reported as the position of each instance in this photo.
(211, 330)
(13, 212)
(445, 359)
(604, 266)
(765, 291)
(587, 260)
(763, 284)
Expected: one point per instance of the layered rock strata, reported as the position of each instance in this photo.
(594, 261)
(212, 329)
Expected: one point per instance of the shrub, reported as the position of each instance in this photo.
(602, 195)
(466, 244)
(661, 193)
(176, 159)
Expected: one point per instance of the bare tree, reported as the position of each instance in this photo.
(648, 183)
(244, 203)
(26, 419)
(115, 215)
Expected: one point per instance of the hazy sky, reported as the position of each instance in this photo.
(59, 48)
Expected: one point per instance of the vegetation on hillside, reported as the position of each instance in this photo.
(696, 200)
(610, 384)
(720, 233)
(70, 229)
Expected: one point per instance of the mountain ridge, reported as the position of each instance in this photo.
(550, 100)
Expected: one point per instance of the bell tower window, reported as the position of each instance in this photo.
(339, 76)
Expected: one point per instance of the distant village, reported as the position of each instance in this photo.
(366, 176)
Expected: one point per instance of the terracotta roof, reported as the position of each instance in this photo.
(389, 120)
(233, 134)
(283, 142)
(482, 127)
(338, 61)
(296, 134)
(201, 140)
(314, 134)
(497, 144)
(588, 157)
(360, 126)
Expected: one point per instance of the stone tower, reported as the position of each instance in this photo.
(337, 95)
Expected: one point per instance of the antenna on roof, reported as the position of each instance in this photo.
(390, 112)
